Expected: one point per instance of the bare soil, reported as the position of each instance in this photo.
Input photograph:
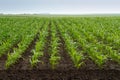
(59, 74)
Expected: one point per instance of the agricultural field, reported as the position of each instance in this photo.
(59, 48)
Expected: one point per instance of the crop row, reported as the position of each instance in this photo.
(95, 38)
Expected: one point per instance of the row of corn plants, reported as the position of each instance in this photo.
(104, 50)
(102, 45)
(71, 46)
(10, 33)
(28, 36)
(40, 44)
(86, 47)
(54, 46)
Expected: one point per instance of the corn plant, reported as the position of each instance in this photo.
(54, 58)
(26, 40)
(39, 47)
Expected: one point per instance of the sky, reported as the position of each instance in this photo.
(59, 6)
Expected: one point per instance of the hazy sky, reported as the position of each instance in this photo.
(60, 6)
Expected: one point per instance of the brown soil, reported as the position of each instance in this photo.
(60, 75)
(2, 62)
(65, 62)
